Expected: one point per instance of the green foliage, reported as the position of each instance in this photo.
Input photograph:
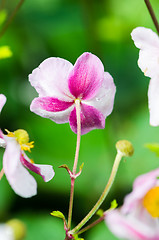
(114, 204)
(153, 147)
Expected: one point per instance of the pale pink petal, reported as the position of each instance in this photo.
(86, 76)
(104, 99)
(18, 177)
(91, 119)
(51, 78)
(2, 101)
(129, 227)
(58, 111)
(153, 99)
(141, 186)
(148, 43)
(45, 171)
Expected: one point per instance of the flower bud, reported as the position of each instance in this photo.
(18, 227)
(125, 147)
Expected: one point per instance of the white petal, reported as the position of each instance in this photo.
(51, 78)
(148, 43)
(104, 99)
(46, 171)
(153, 98)
(149, 61)
(18, 177)
(6, 232)
(2, 101)
(145, 38)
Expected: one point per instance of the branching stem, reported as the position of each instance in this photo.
(103, 195)
(77, 104)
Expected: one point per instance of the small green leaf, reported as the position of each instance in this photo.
(114, 204)
(81, 167)
(58, 214)
(77, 238)
(5, 52)
(153, 147)
(100, 213)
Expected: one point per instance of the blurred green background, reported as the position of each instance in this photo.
(66, 29)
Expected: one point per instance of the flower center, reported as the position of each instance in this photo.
(22, 138)
(151, 201)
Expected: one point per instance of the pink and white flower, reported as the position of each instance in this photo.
(137, 219)
(16, 162)
(148, 43)
(59, 84)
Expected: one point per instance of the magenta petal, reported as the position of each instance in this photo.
(51, 104)
(91, 119)
(86, 77)
(48, 107)
(45, 171)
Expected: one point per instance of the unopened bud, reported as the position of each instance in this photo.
(125, 147)
(18, 227)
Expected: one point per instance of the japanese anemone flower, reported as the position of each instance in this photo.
(137, 219)
(60, 84)
(16, 162)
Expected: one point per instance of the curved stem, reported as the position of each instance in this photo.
(77, 104)
(1, 173)
(151, 11)
(103, 195)
(6, 25)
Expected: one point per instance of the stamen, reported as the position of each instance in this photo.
(151, 201)
(22, 138)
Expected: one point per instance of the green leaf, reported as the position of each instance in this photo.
(153, 147)
(77, 238)
(5, 52)
(100, 213)
(114, 204)
(58, 214)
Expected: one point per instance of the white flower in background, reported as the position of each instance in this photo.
(148, 43)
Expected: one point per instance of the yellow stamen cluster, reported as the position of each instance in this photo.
(151, 202)
(22, 138)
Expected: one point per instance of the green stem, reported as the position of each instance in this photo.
(91, 225)
(152, 14)
(103, 195)
(6, 25)
(77, 104)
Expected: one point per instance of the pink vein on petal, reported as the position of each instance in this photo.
(51, 104)
(30, 166)
(86, 76)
